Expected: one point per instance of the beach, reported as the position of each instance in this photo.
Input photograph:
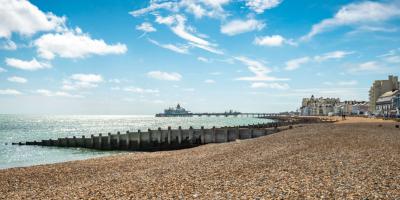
(333, 160)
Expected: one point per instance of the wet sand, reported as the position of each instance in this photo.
(341, 160)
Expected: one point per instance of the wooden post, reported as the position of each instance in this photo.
(109, 141)
(237, 131)
(150, 137)
(226, 134)
(159, 136)
(128, 140)
(139, 138)
(169, 135)
(83, 141)
(100, 141)
(202, 135)
(92, 140)
(214, 135)
(118, 140)
(251, 132)
(179, 135)
(74, 141)
(191, 135)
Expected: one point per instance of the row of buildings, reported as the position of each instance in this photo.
(384, 100)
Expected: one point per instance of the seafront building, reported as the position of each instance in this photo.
(378, 88)
(318, 106)
(332, 106)
(388, 104)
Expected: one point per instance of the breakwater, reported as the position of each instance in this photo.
(170, 139)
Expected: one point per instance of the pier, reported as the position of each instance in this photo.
(170, 139)
(216, 114)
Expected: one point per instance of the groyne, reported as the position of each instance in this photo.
(170, 139)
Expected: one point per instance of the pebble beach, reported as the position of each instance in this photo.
(313, 161)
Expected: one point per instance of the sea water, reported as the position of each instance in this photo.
(21, 128)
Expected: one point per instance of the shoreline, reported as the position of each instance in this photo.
(337, 160)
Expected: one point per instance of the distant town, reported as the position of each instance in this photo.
(384, 101)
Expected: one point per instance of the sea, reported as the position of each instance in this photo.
(21, 128)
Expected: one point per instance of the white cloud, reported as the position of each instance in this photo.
(209, 81)
(367, 66)
(141, 90)
(154, 5)
(393, 56)
(115, 80)
(332, 55)
(24, 18)
(259, 69)
(31, 65)
(392, 59)
(177, 24)
(179, 49)
(74, 44)
(82, 81)
(198, 8)
(296, 63)
(260, 5)
(2, 70)
(355, 14)
(181, 31)
(235, 27)
(17, 79)
(167, 76)
(203, 59)
(280, 86)
(8, 45)
(146, 27)
(272, 41)
(347, 83)
(49, 93)
(9, 92)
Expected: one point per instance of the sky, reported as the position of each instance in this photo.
(139, 57)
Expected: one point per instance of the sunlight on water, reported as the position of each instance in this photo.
(16, 128)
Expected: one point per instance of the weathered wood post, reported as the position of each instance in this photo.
(109, 141)
(191, 135)
(251, 132)
(237, 133)
(214, 135)
(139, 139)
(74, 142)
(169, 135)
(179, 135)
(226, 134)
(83, 141)
(202, 135)
(92, 141)
(159, 135)
(128, 140)
(150, 137)
(118, 140)
(100, 141)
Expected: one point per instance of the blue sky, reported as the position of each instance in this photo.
(138, 57)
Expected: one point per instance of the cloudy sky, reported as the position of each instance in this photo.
(138, 57)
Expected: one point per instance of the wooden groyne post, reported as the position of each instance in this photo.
(171, 139)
